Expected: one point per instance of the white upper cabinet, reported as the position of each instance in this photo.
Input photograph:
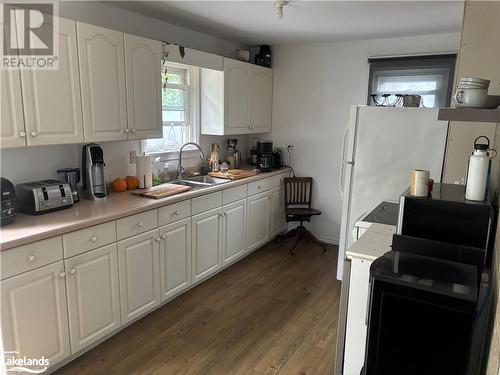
(236, 93)
(52, 103)
(143, 77)
(237, 100)
(102, 73)
(12, 131)
(260, 99)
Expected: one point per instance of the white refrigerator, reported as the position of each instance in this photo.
(380, 148)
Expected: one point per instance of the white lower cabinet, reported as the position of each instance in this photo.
(93, 295)
(258, 220)
(175, 258)
(139, 273)
(35, 315)
(278, 218)
(234, 231)
(206, 243)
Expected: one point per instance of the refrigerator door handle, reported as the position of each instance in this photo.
(342, 162)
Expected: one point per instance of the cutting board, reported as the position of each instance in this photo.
(233, 174)
(161, 191)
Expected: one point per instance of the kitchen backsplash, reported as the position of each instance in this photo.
(36, 163)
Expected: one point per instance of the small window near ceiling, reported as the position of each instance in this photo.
(178, 109)
(431, 77)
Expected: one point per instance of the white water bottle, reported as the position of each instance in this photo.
(477, 174)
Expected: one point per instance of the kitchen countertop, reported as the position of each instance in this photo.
(375, 242)
(86, 213)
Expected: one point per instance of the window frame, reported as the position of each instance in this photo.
(417, 62)
(193, 114)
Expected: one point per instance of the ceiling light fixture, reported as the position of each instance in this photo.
(279, 4)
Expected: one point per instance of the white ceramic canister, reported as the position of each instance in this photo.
(419, 186)
(477, 173)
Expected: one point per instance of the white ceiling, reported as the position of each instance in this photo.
(255, 22)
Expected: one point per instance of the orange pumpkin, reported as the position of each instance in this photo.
(132, 182)
(119, 185)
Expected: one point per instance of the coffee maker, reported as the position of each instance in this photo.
(265, 155)
(71, 176)
(93, 171)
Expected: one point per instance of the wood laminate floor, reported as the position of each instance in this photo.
(271, 313)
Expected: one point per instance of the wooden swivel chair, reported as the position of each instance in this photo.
(298, 193)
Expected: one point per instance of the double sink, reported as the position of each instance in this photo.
(200, 182)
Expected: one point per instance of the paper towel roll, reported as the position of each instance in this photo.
(144, 165)
(419, 186)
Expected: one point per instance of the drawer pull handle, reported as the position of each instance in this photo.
(31, 258)
(157, 239)
(140, 224)
(132, 130)
(62, 275)
(72, 271)
(175, 213)
(259, 187)
(164, 236)
(125, 130)
(93, 238)
(22, 134)
(34, 134)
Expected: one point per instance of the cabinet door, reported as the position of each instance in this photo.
(260, 99)
(139, 273)
(206, 242)
(12, 131)
(175, 258)
(102, 73)
(35, 315)
(233, 231)
(52, 103)
(258, 220)
(355, 338)
(278, 219)
(236, 89)
(93, 296)
(143, 77)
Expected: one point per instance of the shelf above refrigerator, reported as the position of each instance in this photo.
(469, 114)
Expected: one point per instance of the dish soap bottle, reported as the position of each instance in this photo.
(156, 172)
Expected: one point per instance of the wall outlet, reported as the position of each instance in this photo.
(132, 154)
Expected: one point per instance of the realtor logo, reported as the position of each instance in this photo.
(29, 37)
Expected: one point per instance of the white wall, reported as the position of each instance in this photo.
(28, 164)
(314, 87)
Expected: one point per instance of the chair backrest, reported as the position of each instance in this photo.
(298, 191)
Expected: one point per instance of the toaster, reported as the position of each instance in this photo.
(8, 204)
(40, 197)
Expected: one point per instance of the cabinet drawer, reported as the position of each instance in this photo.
(234, 194)
(206, 202)
(259, 186)
(278, 180)
(83, 240)
(174, 212)
(135, 224)
(27, 257)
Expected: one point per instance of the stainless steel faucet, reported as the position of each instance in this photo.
(180, 169)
